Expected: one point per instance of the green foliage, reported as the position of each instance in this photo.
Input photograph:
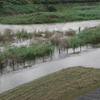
(25, 52)
(28, 8)
(74, 42)
(22, 34)
(62, 1)
(18, 1)
(1, 2)
(91, 36)
(51, 8)
(63, 15)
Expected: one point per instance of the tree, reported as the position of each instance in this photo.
(1, 2)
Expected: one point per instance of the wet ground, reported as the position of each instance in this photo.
(93, 95)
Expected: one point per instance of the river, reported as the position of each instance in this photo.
(51, 27)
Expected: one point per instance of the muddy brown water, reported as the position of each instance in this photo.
(52, 27)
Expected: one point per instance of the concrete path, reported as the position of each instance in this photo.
(93, 95)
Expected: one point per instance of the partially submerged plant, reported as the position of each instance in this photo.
(70, 32)
(55, 39)
(6, 36)
(22, 34)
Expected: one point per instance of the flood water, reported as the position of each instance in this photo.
(51, 27)
(87, 58)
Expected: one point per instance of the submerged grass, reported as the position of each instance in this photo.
(66, 84)
(25, 52)
(90, 36)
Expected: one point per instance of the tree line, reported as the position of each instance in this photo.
(46, 1)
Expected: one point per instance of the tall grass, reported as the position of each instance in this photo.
(91, 36)
(29, 52)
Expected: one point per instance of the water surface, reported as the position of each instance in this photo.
(87, 59)
(55, 26)
(90, 58)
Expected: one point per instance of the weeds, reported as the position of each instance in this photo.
(70, 32)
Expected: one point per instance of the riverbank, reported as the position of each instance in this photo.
(66, 84)
(64, 13)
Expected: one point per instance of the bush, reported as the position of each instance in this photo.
(51, 8)
(1, 2)
(18, 1)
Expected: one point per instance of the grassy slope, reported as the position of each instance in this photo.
(66, 84)
(65, 12)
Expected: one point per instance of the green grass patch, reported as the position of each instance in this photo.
(38, 13)
(66, 84)
(89, 36)
(25, 52)
(29, 8)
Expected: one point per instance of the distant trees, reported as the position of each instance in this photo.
(1, 2)
(18, 1)
(21, 2)
(51, 8)
(63, 1)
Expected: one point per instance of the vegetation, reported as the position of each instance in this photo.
(62, 1)
(51, 8)
(49, 1)
(27, 52)
(41, 43)
(49, 13)
(66, 84)
(90, 36)
(1, 2)
(19, 1)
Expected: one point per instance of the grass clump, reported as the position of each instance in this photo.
(22, 34)
(66, 84)
(7, 36)
(25, 52)
(90, 36)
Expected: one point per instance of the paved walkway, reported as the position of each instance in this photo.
(93, 95)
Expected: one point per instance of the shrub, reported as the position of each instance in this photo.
(18, 1)
(51, 8)
(1, 2)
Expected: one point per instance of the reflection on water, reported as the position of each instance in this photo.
(55, 56)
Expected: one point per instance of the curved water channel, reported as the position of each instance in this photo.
(87, 58)
(51, 27)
